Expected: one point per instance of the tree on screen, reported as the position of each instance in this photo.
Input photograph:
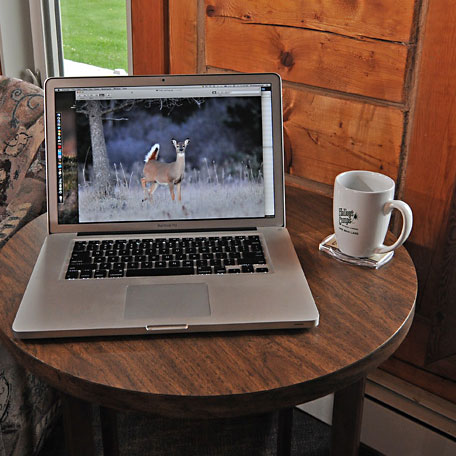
(99, 111)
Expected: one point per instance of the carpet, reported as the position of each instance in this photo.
(141, 435)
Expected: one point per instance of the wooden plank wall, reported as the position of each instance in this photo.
(149, 37)
(430, 189)
(345, 66)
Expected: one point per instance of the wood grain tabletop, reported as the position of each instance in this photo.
(364, 316)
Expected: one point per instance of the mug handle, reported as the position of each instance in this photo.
(407, 222)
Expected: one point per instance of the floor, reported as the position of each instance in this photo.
(147, 435)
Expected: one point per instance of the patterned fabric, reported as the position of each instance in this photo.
(27, 406)
(22, 172)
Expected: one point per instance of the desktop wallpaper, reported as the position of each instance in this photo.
(220, 173)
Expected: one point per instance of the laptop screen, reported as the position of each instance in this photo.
(163, 153)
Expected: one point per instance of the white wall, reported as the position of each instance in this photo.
(393, 434)
(16, 47)
(388, 432)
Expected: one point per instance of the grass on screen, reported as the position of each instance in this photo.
(95, 32)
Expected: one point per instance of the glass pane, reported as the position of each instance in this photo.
(94, 35)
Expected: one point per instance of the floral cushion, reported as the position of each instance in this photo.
(27, 406)
(22, 171)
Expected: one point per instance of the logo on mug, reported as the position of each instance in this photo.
(347, 217)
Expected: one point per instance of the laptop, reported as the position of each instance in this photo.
(166, 210)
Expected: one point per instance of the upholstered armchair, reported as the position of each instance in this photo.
(27, 406)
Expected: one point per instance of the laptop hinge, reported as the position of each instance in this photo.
(130, 233)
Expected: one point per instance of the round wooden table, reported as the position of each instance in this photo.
(364, 316)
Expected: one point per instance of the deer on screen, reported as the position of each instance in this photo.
(158, 173)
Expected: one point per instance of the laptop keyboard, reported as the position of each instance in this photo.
(97, 259)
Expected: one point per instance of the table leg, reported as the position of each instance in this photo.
(108, 420)
(284, 432)
(78, 426)
(347, 418)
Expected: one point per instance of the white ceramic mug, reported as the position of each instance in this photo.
(363, 202)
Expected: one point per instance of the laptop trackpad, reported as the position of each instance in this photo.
(175, 301)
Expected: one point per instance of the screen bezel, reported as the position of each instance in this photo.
(163, 80)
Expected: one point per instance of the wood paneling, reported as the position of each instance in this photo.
(442, 343)
(385, 19)
(330, 135)
(371, 68)
(183, 36)
(430, 184)
(149, 30)
(431, 165)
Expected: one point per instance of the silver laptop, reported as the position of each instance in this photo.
(165, 210)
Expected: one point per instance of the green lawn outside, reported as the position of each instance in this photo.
(95, 32)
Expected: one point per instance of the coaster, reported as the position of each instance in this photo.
(329, 246)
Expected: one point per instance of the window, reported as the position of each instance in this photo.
(80, 37)
(94, 37)
(33, 37)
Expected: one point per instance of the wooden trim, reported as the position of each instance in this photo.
(309, 185)
(150, 36)
(183, 48)
(201, 36)
(422, 378)
(431, 170)
(412, 400)
(410, 93)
